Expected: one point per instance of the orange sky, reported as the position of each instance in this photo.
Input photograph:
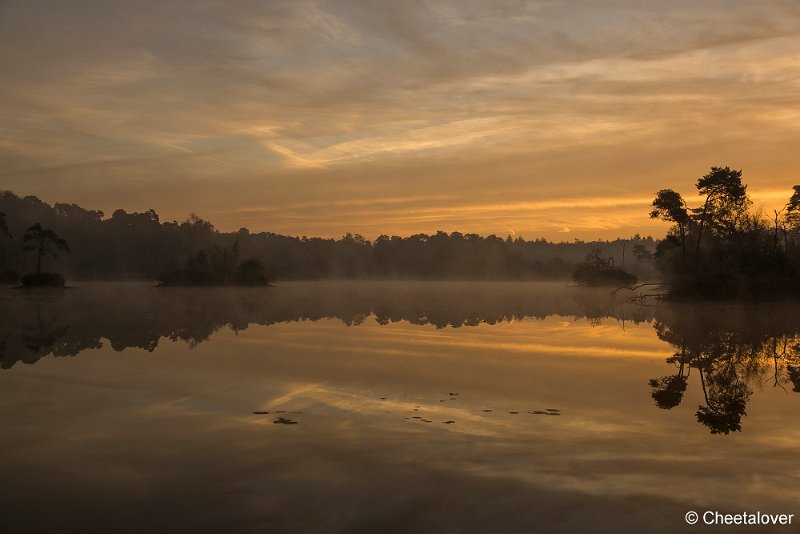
(545, 118)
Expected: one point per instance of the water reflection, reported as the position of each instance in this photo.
(190, 429)
(727, 351)
(732, 350)
(35, 325)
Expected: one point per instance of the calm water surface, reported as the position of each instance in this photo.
(412, 407)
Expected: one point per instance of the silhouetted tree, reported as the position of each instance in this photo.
(220, 267)
(4, 226)
(736, 250)
(44, 241)
(725, 200)
(792, 216)
(6, 274)
(641, 254)
(251, 273)
(670, 206)
(595, 270)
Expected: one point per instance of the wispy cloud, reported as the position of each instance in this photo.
(242, 105)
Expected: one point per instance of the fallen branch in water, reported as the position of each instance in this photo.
(641, 299)
(634, 288)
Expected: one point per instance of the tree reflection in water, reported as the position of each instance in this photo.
(725, 350)
(137, 316)
(732, 349)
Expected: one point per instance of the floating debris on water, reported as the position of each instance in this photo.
(416, 417)
(487, 411)
(452, 394)
(538, 412)
(284, 421)
(448, 422)
(383, 398)
(553, 410)
(261, 413)
(513, 413)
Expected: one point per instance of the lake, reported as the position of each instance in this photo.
(392, 407)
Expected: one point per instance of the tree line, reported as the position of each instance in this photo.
(724, 248)
(140, 245)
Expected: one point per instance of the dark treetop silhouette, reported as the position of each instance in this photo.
(219, 267)
(4, 226)
(724, 249)
(6, 275)
(595, 270)
(43, 242)
(140, 245)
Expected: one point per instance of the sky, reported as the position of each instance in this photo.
(555, 119)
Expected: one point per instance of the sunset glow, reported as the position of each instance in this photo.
(553, 119)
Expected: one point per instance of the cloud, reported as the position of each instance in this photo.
(107, 101)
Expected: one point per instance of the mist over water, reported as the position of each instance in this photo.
(410, 406)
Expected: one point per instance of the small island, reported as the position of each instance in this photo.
(44, 242)
(219, 267)
(721, 249)
(595, 270)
